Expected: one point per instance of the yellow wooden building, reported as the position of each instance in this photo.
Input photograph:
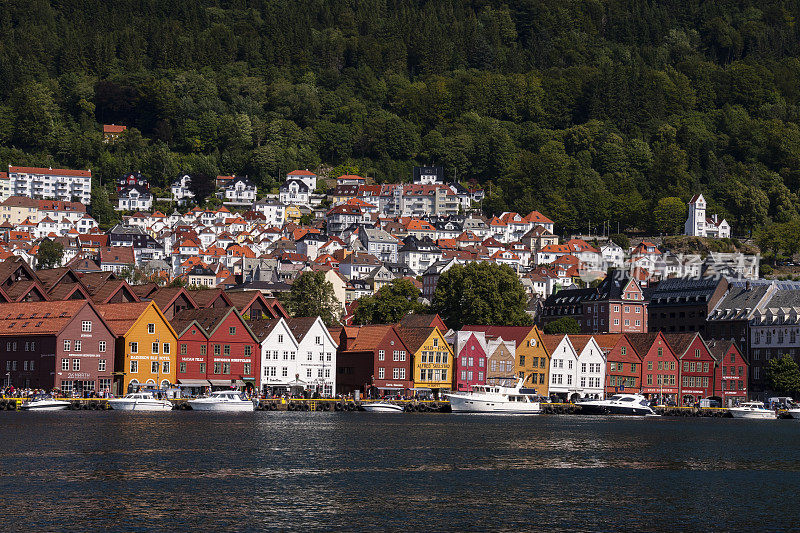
(431, 357)
(146, 345)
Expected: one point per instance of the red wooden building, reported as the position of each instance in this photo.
(65, 345)
(372, 358)
(730, 378)
(659, 366)
(469, 365)
(623, 365)
(697, 366)
(216, 347)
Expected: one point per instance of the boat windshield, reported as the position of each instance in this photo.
(627, 399)
(616, 397)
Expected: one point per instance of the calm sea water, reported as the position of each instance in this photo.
(83, 471)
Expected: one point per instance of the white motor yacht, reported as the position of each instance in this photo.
(619, 404)
(223, 400)
(382, 407)
(140, 401)
(753, 410)
(44, 402)
(495, 399)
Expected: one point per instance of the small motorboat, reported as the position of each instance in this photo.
(618, 404)
(382, 407)
(223, 400)
(140, 401)
(794, 412)
(495, 399)
(753, 410)
(44, 402)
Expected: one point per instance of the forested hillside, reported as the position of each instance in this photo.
(583, 109)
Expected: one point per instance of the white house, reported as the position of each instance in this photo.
(135, 198)
(240, 191)
(307, 177)
(613, 255)
(591, 366)
(563, 366)
(181, 192)
(699, 225)
(279, 364)
(275, 212)
(295, 192)
(316, 355)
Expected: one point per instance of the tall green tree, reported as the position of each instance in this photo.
(669, 215)
(481, 293)
(50, 254)
(783, 375)
(390, 304)
(312, 295)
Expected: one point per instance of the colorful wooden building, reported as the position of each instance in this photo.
(623, 365)
(696, 366)
(659, 366)
(432, 358)
(730, 379)
(145, 345)
(65, 345)
(469, 348)
(531, 356)
(374, 360)
(232, 354)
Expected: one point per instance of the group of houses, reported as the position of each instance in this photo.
(363, 236)
(92, 332)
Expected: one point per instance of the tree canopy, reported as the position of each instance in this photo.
(565, 324)
(50, 254)
(312, 295)
(587, 111)
(480, 293)
(783, 375)
(390, 304)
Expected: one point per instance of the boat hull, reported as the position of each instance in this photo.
(794, 413)
(139, 405)
(464, 404)
(49, 406)
(615, 410)
(230, 407)
(754, 415)
(382, 408)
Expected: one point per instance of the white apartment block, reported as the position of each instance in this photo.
(48, 183)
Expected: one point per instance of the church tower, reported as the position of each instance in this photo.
(696, 222)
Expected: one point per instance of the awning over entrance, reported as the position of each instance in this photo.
(227, 382)
(193, 382)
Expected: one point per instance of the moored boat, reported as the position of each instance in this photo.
(44, 402)
(753, 410)
(382, 407)
(495, 399)
(223, 400)
(140, 401)
(619, 404)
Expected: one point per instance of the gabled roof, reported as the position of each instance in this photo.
(414, 338)
(38, 318)
(515, 333)
(121, 317)
(263, 328)
(423, 321)
(166, 296)
(205, 297)
(642, 342)
(680, 342)
(300, 326)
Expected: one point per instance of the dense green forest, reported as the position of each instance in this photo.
(583, 109)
